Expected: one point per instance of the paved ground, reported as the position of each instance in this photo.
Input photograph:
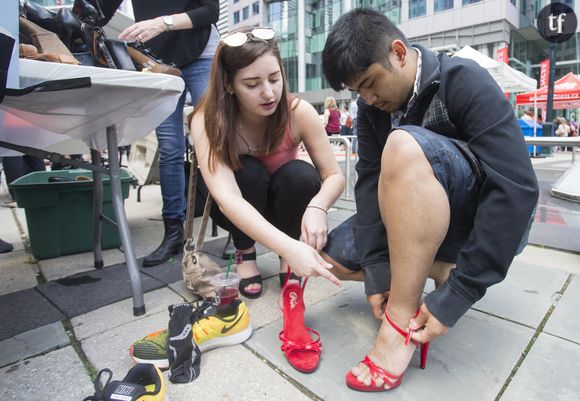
(60, 321)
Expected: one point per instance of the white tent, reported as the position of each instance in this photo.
(509, 79)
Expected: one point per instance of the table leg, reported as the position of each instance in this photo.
(97, 209)
(123, 226)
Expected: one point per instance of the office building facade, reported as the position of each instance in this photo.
(443, 25)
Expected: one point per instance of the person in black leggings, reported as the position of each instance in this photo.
(246, 132)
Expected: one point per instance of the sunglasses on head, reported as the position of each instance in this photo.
(236, 39)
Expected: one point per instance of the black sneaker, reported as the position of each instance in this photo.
(143, 382)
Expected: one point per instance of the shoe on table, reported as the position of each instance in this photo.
(229, 326)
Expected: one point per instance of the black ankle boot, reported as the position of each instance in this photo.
(171, 244)
(5, 247)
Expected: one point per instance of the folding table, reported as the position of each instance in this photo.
(98, 108)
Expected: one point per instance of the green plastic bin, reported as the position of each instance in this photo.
(59, 215)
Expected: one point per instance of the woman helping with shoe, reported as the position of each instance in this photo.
(246, 131)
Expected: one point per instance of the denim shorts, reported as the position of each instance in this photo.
(454, 168)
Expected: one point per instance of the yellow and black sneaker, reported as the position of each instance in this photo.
(143, 382)
(230, 325)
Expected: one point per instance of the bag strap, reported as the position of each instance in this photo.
(190, 213)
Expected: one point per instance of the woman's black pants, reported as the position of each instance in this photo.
(281, 198)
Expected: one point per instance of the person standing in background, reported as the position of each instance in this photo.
(345, 121)
(353, 114)
(331, 116)
(181, 32)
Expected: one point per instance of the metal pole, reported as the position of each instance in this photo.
(97, 209)
(547, 129)
(123, 226)
(348, 150)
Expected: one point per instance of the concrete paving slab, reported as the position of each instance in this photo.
(470, 363)
(69, 265)
(550, 259)
(167, 272)
(56, 376)
(345, 204)
(85, 292)
(564, 320)
(180, 288)
(17, 272)
(339, 215)
(264, 310)
(525, 295)
(25, 310)
(9, 231)
(549, 372)
(235, 374)
(555, 236)
(118, 314)
(111, 348)
(33, 342)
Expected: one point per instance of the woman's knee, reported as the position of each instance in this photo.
(297, 176)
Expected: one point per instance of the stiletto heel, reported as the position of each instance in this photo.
(301, 351)
(424, 352)
(390, 380)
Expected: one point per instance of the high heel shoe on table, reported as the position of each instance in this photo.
(246, 282)
(301, 351)
(390, 380)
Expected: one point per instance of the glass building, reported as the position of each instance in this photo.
(444, 25)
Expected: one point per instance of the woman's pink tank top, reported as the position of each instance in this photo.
(287, 151)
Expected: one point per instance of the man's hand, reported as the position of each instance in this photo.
(426, 326)
(378, 303)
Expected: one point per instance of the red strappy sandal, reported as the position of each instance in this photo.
(301, 351)
(390, 380)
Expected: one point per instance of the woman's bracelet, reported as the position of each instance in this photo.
(317, 207)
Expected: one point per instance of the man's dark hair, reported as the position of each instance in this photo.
(358, 39)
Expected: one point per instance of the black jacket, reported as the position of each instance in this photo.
(458, 99)
(180, 47)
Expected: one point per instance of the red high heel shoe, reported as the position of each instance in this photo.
(301, 351)
(389, 379)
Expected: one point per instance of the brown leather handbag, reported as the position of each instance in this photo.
(197, 267)
(47, 44)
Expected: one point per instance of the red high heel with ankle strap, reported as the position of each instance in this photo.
(390, 380)
(301, 351)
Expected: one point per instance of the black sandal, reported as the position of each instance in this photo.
(246, 282)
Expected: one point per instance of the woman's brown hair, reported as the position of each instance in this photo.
(220, 107)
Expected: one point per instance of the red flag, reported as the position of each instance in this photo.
(544, 69)
(502, 56)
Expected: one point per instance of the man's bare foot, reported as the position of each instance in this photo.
(389, 353)
(249, 268)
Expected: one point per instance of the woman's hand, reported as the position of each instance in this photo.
(304, 260)
(315, 227)
(143, 30)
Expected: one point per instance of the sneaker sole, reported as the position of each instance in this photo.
(214, 343)
(234, 339)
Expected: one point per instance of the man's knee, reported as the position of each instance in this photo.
(341, 272)
(403, 156)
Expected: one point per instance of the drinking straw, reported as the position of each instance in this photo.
(229, 265)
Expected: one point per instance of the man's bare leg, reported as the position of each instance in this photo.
(415, 211)
(439, 271)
